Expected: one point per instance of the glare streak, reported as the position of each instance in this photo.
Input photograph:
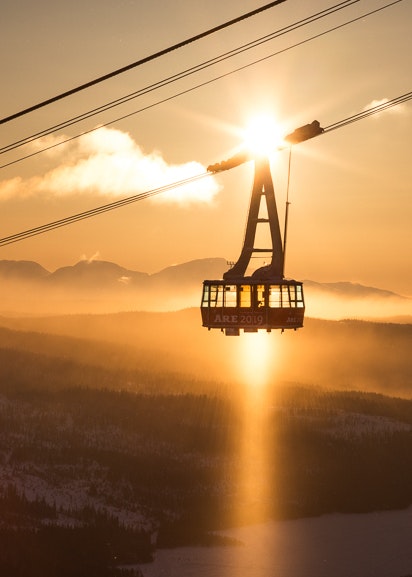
(254, 460)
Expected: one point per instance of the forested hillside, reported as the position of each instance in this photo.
(142, 347)
(120, 434)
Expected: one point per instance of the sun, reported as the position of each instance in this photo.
(262, 135)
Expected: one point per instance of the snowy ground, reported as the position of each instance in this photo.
(371, 545)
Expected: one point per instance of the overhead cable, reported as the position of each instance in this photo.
(180, 75)
(98, 210)
(141, 196)
(191, 89)
(370, 111)
(139, 62)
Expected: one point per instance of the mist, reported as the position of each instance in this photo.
(94, 286)
(336, 355)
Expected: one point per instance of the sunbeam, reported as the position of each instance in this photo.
(255, 353)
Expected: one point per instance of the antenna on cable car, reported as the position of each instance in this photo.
(265, 299)
(287, 204)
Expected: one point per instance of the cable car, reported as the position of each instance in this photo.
(251, 305)
(265, 300)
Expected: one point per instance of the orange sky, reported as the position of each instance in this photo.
(350, 189)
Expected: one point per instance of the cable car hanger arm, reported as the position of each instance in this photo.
(301, 134)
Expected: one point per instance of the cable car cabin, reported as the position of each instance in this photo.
(233, 305)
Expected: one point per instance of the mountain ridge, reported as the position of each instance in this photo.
(104, 286)
(107, 270)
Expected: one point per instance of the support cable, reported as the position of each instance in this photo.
(180, 75)
(123, 202)
(98, 210)
(191, 89)
(370, 111)
(139, 62)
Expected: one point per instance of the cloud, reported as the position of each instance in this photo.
(95, 256)
(9, 188)
(124, 280)
(51, 146)
(108, 162)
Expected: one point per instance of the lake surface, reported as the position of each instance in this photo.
(370, 545)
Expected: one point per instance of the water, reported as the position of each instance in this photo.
(370, 545)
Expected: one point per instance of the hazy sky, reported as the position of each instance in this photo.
(350, 189)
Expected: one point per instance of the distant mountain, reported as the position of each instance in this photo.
(101, 286)
(353, 300)
(109, 273)
(22, 270)
(95, 272)
(193, 271)
(350, 290)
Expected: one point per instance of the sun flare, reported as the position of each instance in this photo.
(262, 135)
